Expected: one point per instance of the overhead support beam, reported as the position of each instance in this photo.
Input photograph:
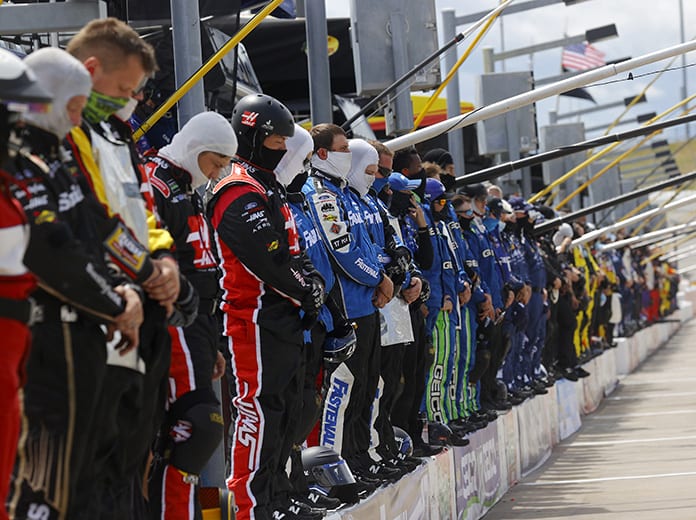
(516, 8)
(54, 17)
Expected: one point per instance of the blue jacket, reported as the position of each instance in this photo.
(489, 270)
(340, 222)
(442, 275)
(310, 241)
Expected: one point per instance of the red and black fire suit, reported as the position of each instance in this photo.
(67, 364)
(194, 348)
(266, 279)
(133, 403)
(16, 284)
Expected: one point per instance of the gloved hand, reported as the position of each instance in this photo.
(186, 306)
(425, 291)
(399, 264)
(312, 302)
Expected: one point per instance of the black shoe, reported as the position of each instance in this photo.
(423, 450)
(405, 465)
(464, 426)
(380, 472)
(569, 374)
(321, 501)
(581, 372)
(394, 465)
(488, 415)
(515, 399)
(458, 440)
(502, 405)
(538, 388)
(297, 512)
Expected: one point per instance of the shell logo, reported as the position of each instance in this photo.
(332, 45)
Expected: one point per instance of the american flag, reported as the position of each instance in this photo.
(581, 56)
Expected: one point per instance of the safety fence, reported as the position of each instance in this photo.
(465, 482)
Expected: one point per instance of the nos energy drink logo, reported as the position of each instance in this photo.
(335, 408)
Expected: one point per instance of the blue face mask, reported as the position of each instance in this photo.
(501, 225)
(490, 223)
(379, 183)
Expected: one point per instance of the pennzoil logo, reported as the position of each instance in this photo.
(249, 118)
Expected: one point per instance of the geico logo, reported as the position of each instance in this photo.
(487, 253)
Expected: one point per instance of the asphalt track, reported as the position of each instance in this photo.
(633, 459)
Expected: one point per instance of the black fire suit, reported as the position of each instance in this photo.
(266, 279)
(67, 363)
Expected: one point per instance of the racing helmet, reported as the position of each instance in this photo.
(325, 469)
(254, 118)
(340, 344)
(404, 443)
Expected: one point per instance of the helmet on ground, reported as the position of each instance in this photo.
(325, 469)
(403, 442)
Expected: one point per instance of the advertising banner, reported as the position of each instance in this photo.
(535, 434)
(568, 408)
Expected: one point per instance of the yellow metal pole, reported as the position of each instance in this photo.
(453, 71)
(205, 68)
(602, 153)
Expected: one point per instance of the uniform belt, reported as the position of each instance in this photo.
(24, 311)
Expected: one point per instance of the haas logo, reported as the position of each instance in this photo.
(291, 228)
(199, 238)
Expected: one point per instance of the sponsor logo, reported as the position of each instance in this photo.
(342, 241)
(366, 268)
(125, 249)
(35, 202)
(160, 186)
(273, 246)
(487, 252)
(328, 207)
(248, 429)
(447, 265)
(249, 118)
(199, 238)
(329, 217)
(311, 237)
(335, 229)
(181, 431)
(338, 391)
(45, 216)
(251, 206)
(38, 512)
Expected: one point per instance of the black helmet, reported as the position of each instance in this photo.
(340, 344)
(254, 118)
(19, 89)
(325, 469)
(403, 443)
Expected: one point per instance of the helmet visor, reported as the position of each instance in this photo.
(333, 474)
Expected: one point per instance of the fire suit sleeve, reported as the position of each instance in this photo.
(118, 240)
(245, 225)
(61, 262)
(354, 258)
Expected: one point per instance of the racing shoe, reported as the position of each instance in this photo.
(294, 511)
(422, 449)
(380, 472)
(319, 501)
(569, 374)
(581, 372)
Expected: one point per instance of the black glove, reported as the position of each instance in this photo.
(313, 301)
(399, 265)
(425, 291)
(186, 306)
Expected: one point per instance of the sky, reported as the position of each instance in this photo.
(642, 27)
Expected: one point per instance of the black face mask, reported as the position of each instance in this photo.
(465, 223)
(419, 175)
(420, 190)
(448, 181)
(268, 159)
(296, 185)
(385, 196)
(400, 203)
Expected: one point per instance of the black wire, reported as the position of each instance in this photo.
(632, 76)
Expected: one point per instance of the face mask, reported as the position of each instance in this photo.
(56, 121)
(100, 107)
(400, 202)
(385, 196)
(361, 183)
(126, 112)
(490, 223)
(336, 164)
(268, 159)
(380, 183)
(296, 185)
(501, 225)
(419, 175)
(448, 181)
(464, 223)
